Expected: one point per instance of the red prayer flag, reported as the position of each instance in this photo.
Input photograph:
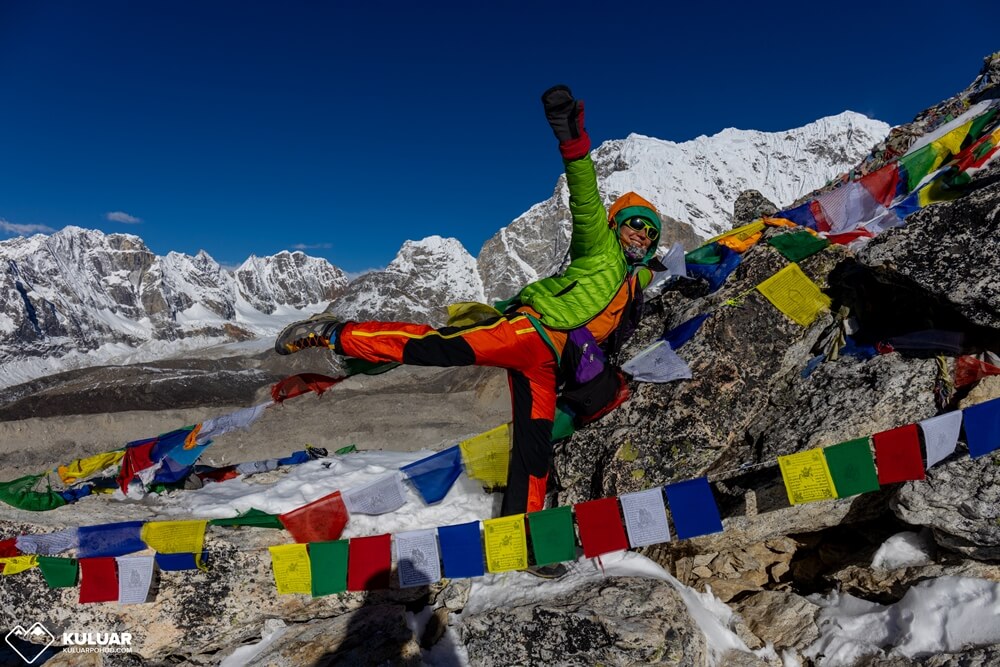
(8, 548)
(302, 383)
(897, 455)
(847, 237)
(968, 369)
(98, 580)
(601, 528)
(136, 459)
(369, 560)
(219, 474)
(882, 183)
(321, 520)
(822, 223)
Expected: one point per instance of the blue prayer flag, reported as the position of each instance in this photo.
(462, 550)
(434, 475)
(909, 205)
(74, 494)
(171, 471)
(693, 508)
(110, 539)
(683, 332)
(176, 562)
(294, 458)
(162, 444)
(982, 427)
(716, 274)
(800, 215)
(187, 457)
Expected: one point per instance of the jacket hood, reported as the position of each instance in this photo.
(630, 204)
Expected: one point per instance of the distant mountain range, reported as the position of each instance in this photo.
(78, 297)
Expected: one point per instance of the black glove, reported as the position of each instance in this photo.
(565, 116)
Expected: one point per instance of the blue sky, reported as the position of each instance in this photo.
(346, 128)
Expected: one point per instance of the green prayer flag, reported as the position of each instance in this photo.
(58, 572)
(707, 254)
(976, 129)
(552, 537)
(20, 493)
(328, 564)
(347, 450)
(253, 517)
(918, 165)
(852, 467)
(982, 149)
(796, 246)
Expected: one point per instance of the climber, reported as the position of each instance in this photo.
(552, 335)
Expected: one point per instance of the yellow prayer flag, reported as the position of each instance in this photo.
(794, 294)
(952, 142)
(81, 468)
(746, 231)
(15, 564)
(742, 238)
(487, 455)
(176, 537)
(506, 545)
(807, 477)
(741, 243)
(948, 146)
(292, 570)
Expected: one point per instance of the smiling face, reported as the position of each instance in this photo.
(631, 238)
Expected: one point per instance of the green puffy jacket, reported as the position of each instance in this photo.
(597, 266)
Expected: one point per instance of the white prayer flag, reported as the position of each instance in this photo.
(135, 574)
(645, 517)
(213, 428)
(386, 494)
(941, 435)
(657, 363)
(673, 260)
(418, 559)
(255, 467)
(48, 544)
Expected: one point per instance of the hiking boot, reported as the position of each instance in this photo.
(553, 571)
(318, 331)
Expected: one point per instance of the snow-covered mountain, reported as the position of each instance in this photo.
(81, 297)
(417, 285)
(697, 181)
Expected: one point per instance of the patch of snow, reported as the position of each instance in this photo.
(274, 628)
(944, 615)
(904, 549)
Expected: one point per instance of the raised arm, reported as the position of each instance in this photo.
(591, 234)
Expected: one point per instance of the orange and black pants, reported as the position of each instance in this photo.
(504, 342)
